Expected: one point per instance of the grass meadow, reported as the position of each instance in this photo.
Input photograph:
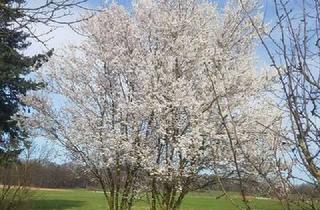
(90, 200)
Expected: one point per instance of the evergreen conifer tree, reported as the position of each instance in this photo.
(15, 68)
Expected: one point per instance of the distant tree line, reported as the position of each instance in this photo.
(46, 175)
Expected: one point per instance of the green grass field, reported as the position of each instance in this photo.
(87, 200)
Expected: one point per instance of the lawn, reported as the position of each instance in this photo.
(88, 200)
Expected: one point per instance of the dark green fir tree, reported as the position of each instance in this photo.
(15, 80)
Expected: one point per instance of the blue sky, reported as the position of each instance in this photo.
(99, 2)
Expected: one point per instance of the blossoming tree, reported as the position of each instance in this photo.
(157, 96)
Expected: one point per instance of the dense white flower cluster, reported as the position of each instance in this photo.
(169, 89)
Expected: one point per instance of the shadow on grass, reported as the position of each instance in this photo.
(55, 204)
